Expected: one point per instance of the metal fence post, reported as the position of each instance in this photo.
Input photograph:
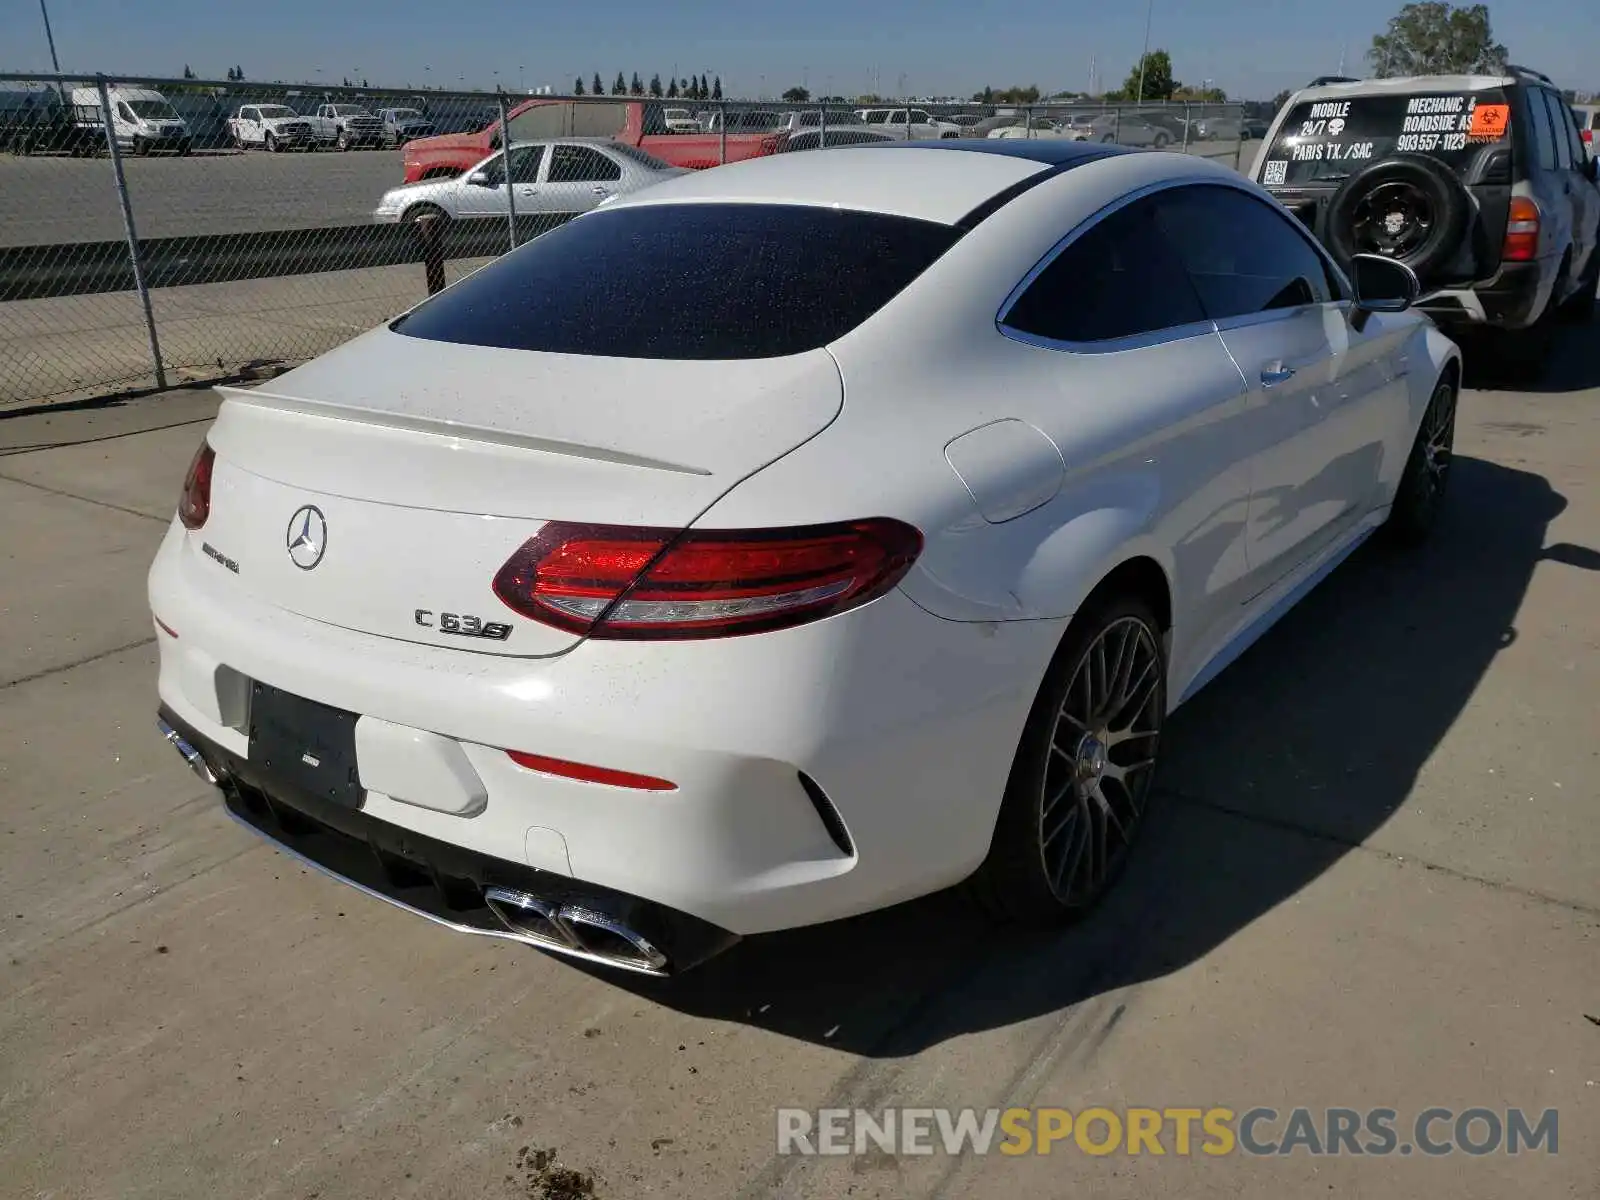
(722, 127)
(1186, 120)
(908, 121)
(822, 135)
(127, 223)
(511, 192)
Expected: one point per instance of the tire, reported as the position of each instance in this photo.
(271, 143)
(185, 149)
(140, 148)
(1161, 142)
(1060, 840)
(1580, 307)
(423, 209)
(1108, 139)
(1426, 477)
(1421, 193)
(342, 141)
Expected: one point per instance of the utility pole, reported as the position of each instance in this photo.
(1149, 13)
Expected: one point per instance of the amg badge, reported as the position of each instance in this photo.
(463, 625)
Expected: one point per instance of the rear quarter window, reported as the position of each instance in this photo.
(1325, 141)
(691, 281)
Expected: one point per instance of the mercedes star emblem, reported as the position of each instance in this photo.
(308, 537)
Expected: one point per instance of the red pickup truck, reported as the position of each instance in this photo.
(639, 123)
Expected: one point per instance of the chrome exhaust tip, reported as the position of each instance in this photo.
(575, 930)
(196, 760)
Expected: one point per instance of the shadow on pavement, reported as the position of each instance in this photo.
(1571, 365)
(1272, 774)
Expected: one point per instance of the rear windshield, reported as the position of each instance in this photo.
(689, 281)
(1325, 141)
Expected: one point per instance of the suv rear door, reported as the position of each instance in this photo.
(1582, 199)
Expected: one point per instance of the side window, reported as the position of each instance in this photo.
(248, 114)
(494, 171)
(581, 164)
(1543, 135)
(919, 117)
(525, 162)
(1243, 257)
(124, 111)
(1557, 108)
(1120, 279)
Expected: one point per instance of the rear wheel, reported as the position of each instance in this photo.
(1427, 471)
(1082, 775)
(1161, 141)
(1580, 308)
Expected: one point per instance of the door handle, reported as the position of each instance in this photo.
(1276, 374)
(600, 191)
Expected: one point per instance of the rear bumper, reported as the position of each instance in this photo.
(1513, 299)
(434, 879)
(821, 772)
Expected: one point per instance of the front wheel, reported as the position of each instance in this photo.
(1081, 779)
(1427, 472)
(271, 144)
(342, 141)
(1161, 141)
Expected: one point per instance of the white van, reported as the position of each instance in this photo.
(142, 120)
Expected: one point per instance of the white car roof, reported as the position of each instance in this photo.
(929, 182)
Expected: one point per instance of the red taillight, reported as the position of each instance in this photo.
(584, 773)
(1522, 232)
(195, 504)
(611, 582)
(1588, 137)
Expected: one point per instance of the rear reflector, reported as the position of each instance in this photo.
(584, 773)
(194, 506)
(165, 628)
(614, 582)
(1522, 231)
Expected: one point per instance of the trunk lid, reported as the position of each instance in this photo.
(427, 464)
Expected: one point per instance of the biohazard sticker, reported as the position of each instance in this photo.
(1489, 122)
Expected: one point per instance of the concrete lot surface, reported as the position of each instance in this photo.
(1372, 881)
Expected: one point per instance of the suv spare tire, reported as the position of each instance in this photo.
(1410, 207)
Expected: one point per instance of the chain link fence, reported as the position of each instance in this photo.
(158, 231)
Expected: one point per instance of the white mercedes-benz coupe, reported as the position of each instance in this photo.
(788, 540)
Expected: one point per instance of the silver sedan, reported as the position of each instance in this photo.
(548, 175)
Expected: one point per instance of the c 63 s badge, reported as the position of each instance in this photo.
(463, 625)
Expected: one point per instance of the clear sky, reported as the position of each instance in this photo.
(1252, 48)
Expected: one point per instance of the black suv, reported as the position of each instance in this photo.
(1482, 185)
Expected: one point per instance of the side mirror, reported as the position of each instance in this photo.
(479, 179)
(1383, 284)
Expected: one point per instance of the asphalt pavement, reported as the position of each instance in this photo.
(49, 200)
(1370, 881)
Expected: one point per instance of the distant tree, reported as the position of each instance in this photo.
(636, 88)
(188, 72)
(577, 86)
(672, 90)
(1010, 95)
(364, 82)
(796, 95)
(597, 88)
(704, 92)
(1281, 99)
(346, 81)
(1201, 95)
(716, 88)
(988, 95)
(1150, 79)
(655, 86)
(687, 89)
(619, 85)
(868, 98)
(1436, 38)
(238, 73)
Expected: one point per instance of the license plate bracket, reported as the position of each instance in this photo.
(306, 744)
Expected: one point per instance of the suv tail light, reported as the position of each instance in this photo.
(194, 506)
(612, 582)
(1522, 231)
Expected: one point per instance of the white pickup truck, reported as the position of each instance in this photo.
(346, 126)
(271, 127)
